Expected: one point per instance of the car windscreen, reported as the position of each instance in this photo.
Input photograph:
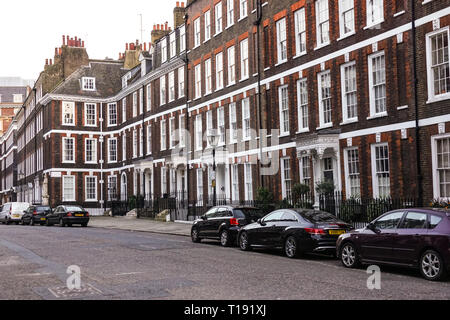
(43, 209)
(74, 209)
(248, 213)
(20, 206)
(318, 216)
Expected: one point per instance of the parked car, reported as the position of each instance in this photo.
(296, 231)
(223, 223)
(13, 212)
(416, 238)
(68, 215)
(36, 214)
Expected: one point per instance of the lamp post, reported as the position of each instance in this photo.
(213, 139)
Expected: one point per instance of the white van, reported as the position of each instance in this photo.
(13, 212)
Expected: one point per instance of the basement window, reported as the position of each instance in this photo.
(88, 84)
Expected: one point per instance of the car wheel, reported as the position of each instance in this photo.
(244, 244)
(194, 236)
(432, 266)
(48, 224)
(349, 256)
(31, 223)
(291, 248)
(225, 238)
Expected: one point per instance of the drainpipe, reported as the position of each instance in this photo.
(102, 140)
(416, 106)
(187, 143)
(35, 144)
(258, 92)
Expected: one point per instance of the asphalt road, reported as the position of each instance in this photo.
(118, 264)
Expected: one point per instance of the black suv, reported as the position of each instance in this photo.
(223, 223)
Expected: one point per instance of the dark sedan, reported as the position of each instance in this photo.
(68, 215)
(36, 214)
(223, 223)
(296, 231)
(417, 238)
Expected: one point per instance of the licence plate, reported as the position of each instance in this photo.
(79, 215)
(42, 219)
(16, 216)
(336, 232)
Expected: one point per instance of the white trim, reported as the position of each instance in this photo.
(436, 188)
(375, 186)
(86, 191)
(74, 188)
(430, 80)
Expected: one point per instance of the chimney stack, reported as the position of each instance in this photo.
(178, 14)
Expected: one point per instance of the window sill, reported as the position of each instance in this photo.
(218, 33)
(325, 126)
(302, 131)
(378, 115)
(348, 121)
(345, 36)
(402, 107)
(242, 18)
(399, 13)
(323, 45)
(243, 79)
(426, 1)
(300, 55)
(228, 27)
(285, 134)
(281, 62)
(373, 25)
(438, 98)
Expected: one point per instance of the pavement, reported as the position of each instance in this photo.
(142, 225)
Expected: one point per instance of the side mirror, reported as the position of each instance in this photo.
(261, 222)
(24, 211)
(204, 218)
(373, 228)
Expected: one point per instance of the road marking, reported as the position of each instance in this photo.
(128, 273)
(33, 274)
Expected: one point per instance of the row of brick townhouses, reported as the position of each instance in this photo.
(328, 86)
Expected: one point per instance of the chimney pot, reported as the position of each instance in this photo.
(145, 46)
(182, 4)
(46, 62)
(60, 51)
(178, 4)
(82, 43)
(126, 46)
(64, 40)
(51, 62)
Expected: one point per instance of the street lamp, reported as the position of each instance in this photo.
(213, 140)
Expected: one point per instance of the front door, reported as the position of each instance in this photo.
(265, 234)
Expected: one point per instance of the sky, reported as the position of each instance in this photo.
(30, 30)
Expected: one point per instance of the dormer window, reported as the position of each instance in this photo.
(125, 79)
(143, 67)
(88, 84)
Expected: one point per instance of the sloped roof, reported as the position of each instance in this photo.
(107, 73)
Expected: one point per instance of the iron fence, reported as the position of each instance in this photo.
(361, 211)
(357, 211)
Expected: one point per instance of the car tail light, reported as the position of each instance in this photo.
(87, 214)
(234, 222)
(69, 214)
(35, 213)
(315, 231)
